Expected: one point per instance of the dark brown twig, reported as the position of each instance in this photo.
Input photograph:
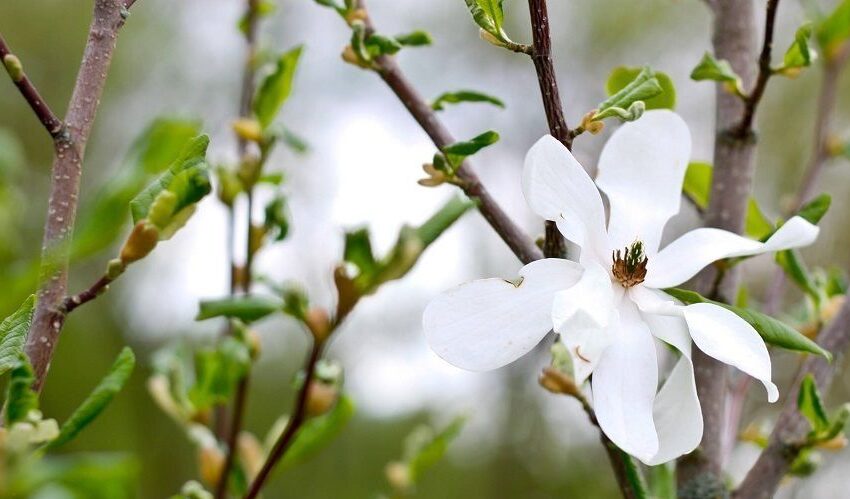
(298, 417)
(108, 17)
(389, 71)
(70, 303)
(764, 478)
(752, 100)
(45, 115)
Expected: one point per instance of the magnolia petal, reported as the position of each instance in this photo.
(489, 323)
(641, 170)
(582, 315)
(684, 257)
(624, 384)
(730, 339)
(677, 414)
(663, 316)
(557, 188)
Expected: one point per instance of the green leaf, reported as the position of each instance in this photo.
(756, 224)
(622, 76)
(815, 209)
(20, 397)
(97, 401)
(276, 87)
(335, 5)
(416, 38)
(189, 187)
(13, 335)
(793, 266)
(378, 45)
(489, 16)
(624, 102)
(92, 476)
(217, 371)
(424, 448)
(833, 31)
(289, 138)
(358, 251)
(277, 220)
(799, 54)
(316, 433)
(464, 96)
(245, 308)
(771, 330)
(720, 70)
(459, 150)
(810, 405)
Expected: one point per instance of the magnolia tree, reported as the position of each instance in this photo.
(656, 342)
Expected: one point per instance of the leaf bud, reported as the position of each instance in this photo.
(317, 321)
(14, 67)
(142, 240)
(248, 129)
(321, 397)
(210, 464)
(557, 382)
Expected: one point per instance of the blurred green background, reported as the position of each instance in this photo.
(185, 58)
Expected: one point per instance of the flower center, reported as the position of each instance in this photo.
(630, 264)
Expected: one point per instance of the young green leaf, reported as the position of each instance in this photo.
(189, 188)
(793, 266)
(624, 102)
(378, 45)
(97, 401)
(622, 76)
(217, 371)
(416, 38)
(20, 397)
(424, 448)
(13, 335)
(316, 433)
(771, 330)
(756, 224)
(358, 251)
(459, 150)
(710, 68)
(810, 405)
(464, 96)
(799, 54)
(245, 308)
(289, 138)
(489, 16)
(833, 31)
(815, 209)
(277, 220)
(276, 87)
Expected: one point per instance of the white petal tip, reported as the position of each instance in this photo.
(772, 392)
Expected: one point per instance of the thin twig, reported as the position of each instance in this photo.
(108, 17)
(730, 188)
(237, 417)
(764, 477)
(70, 303)
(45, 115)
(298, 417)
(554, 244)
(519, 242)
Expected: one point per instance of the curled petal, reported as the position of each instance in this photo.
(677, 413)
(489, 323)
(584, 315)
(684, 257)
(641, 170)
(557, 188)
(730, 339)
(624, 384)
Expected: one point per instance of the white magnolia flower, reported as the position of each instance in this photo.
(609, 307)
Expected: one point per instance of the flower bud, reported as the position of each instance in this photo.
(14, 67)
(248, 129)
(210, 464)
(115, 268)
(349, 56)
(251, 453)
(321, 397)
(834, 146)
(356, 15)
(142, 240)
(398, 475)
(317, 321)
(557, 382)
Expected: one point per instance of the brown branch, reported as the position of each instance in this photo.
(45, 115)
(295, 422)
(107, 19)
(731, 185)
(70, 303)
(764, 478)
(237, 417)
(389, 71)
(554, 244)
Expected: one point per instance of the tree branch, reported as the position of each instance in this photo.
(108, 18)
(45, 115)
(764, 478)
(730, 189)
(389, 71)
(299, 415)
(554, 244)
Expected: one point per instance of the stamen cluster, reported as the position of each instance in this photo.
(630, 265)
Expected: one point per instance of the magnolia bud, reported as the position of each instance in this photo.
(249, 171)
(321, 397)
(248, 129)
(318, 322)
(142, 240)
(14, 67)
(556, 381)
(210, 464)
